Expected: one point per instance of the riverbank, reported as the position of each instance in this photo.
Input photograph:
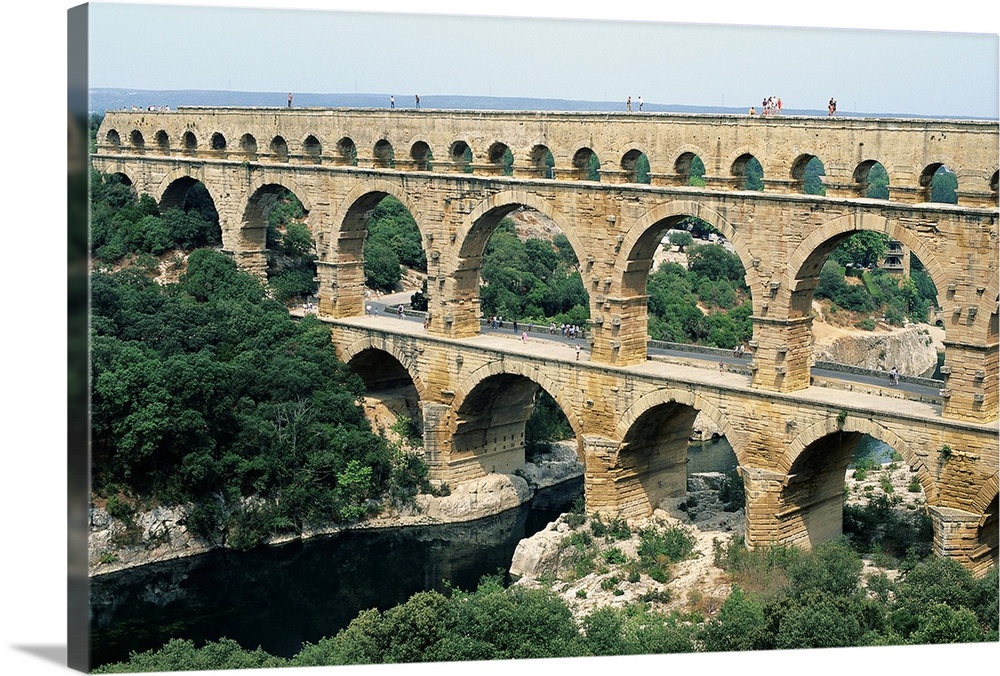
(161, 533)
(590, 566)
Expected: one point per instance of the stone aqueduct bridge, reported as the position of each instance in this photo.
(631, 417)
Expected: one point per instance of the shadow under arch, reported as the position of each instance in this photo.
(385, 346)
(644, 236)
(811, 502)
(650, 463)
(806, 261)
(518, 382)
(166, 187)
(985, 503)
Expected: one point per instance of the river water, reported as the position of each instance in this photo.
(279, 597)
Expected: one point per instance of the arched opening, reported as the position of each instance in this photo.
(748, 172)
(189, 142)
(291, 250)
(461, 156)
(114, 140)
(391, 402)
(542, 162)
(850, 483)
(501, 156)
(421, 155)
(681, 463)
(690, 170)
(248, 144)
(808, 174)
(279, 149)
(218, 142)
(162, 141)
(993, 184)
(524, 275)
(347, 152)
(507, 420)
(939, 184)
(312, 149)
(394, 259)
(137, 141)
(383, 154)
(191, 197)
(872, 180)
(635, 164)
(694, 283)
(586, 165)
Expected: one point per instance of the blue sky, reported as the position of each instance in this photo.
(277, 46)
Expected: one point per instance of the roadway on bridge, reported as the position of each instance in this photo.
(387, 307)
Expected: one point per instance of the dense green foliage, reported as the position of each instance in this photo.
(894, 297)
(291, 258)
(123, 224)
(547, 424)
(783, 598)
(392, 240)
(715, 279)
(206, 392)
(533, 280)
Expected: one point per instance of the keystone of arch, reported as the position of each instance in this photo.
(681, 208)
(531, 372)
(688, 398)
(384, 345)
(857, 222)
(522, 198)
(828, 426)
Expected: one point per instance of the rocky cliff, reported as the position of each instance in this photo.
(911, 350)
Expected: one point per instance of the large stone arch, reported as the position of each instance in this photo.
(252, 224)
(637, 244)
(471, 242)
(808, 502)
(533, 372)
(861, 425)
(689, 398)
(805, 262)
(383, 344)
(377, 188)
(194, 172)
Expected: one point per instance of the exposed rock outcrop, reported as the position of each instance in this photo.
(910, 349)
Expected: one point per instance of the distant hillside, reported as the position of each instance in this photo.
(105, 99)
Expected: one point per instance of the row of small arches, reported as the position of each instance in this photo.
(744, 173)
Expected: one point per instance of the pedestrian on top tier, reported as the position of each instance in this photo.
(289, 99)
(392, 101)
(417, 99)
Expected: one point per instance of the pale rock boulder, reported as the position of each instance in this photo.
(486, 496)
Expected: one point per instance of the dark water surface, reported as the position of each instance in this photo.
(279, 597)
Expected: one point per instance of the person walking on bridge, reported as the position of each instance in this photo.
(289, 99)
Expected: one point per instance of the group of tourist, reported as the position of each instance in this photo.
(769, 106)
(628, 103)
(151, 109)
(566, 330)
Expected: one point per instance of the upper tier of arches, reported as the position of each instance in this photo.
(583, 146)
